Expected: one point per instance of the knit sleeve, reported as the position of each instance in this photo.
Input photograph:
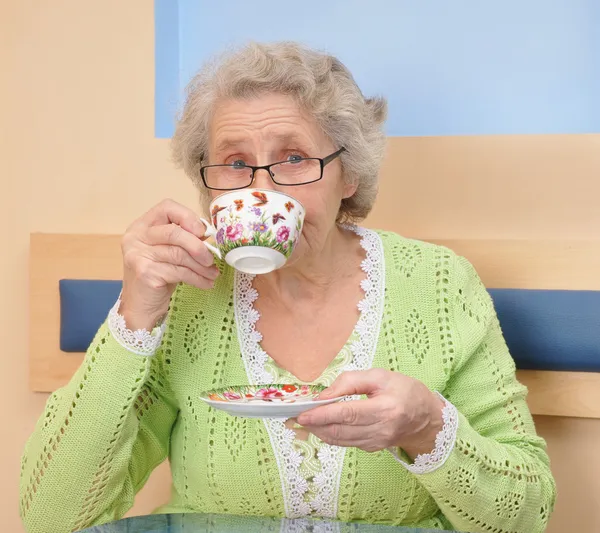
(497, 477)
(98, 440)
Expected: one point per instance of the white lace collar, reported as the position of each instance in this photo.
(294, 486)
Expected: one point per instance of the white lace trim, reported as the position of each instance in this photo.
(140, 341)
(303, 525)
(371, 307)
(327, 482)
(444, 444)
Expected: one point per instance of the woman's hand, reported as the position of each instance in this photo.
(399, 411)
(161, 249)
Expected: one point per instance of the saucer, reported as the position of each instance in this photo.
(266, 401)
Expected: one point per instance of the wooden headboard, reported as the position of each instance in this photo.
(571, 265)
(54, 257)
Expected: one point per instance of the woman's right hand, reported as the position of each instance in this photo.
(161, 249)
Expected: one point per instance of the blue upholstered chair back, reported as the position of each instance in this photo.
(544, 329)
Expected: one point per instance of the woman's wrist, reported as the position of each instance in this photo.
(136, 321)
(424, 439)
(433, 457)
(139, 340)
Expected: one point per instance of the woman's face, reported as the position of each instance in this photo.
(271, 128)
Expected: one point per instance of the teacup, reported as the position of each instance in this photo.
(255, 230)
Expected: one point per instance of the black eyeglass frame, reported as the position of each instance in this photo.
(323, 162)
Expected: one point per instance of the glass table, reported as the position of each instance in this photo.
(211, 523)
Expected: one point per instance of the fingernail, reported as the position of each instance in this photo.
(206, 258)
(303, 420)
(294, 422)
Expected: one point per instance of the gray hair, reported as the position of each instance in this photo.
(319, 82)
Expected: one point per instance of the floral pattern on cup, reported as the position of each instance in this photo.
(287, 393)
(257, 218)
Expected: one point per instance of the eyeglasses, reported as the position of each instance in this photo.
(293, 172)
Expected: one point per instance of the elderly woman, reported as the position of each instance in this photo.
(439, 435)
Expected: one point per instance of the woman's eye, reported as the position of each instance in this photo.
(238, 163)
(294, 158)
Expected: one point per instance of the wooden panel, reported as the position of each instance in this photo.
(573, 449)
(53, 257)
(523, 264)
(574, 394)
(533, 187)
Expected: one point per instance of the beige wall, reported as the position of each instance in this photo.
(79, 152)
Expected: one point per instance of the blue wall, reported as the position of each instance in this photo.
(447, 68)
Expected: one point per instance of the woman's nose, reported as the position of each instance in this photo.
(262, 179)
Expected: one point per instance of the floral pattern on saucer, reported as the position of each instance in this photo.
(285, 393)
(256, 218)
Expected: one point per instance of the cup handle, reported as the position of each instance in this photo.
(211, 232)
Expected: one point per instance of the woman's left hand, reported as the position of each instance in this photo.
(399, 412)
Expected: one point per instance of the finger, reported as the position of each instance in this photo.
(176, 255)
(353, 413)
(174, 235)
(355, 382)
(173, 274)
(171, 212)
(339, 435)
